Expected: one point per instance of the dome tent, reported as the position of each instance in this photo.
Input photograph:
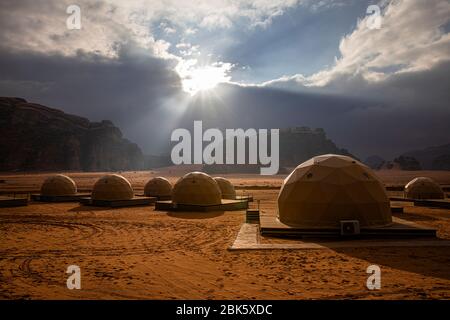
(112, 187)
(226, 188)
(328, 189)
(196, 188)
(423, 188)
(158, 187)
(58, 185)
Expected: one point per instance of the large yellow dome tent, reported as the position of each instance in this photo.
(328, 189)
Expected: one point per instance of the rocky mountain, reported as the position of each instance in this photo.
(408, 163)
(296, 146)
(35, 137)
(302, 143)
(375, 162)
(432, 158)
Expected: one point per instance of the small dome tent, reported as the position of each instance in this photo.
(423, 188)
(226, 188)
(58, 185)
(196, 188)
(158, 187)
(112, 187)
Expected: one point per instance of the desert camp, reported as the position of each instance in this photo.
(329, 201)
(231, 156)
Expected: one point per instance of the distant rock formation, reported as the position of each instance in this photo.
(375, 162)
(35, 138)
(296, 146)
(432, 158)
(408, 163)
(390, 165)
(157, 161)
(302, 143)
(441, 162)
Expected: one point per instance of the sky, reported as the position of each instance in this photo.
(376, 86)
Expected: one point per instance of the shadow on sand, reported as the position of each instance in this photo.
(82, 208)
(427, 261)
(195, 215)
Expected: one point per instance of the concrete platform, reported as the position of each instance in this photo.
(136, 201)
(226, 205)
(432, 203)
(74, 198)
(163, 198)
(249, 238)
(246, 197)
(271, 226)
(6, 202)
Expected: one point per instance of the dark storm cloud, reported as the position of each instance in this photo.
(142, 93)
(408, 111)
(125, 90)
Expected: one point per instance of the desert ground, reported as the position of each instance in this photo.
(139, 253)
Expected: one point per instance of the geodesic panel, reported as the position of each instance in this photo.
(226, 188)
(158, 187)
(423, 188)
(58, 185)
(196, 188)
(112, 187)
(326, 189)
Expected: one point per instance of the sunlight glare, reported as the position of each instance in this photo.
(196, 79)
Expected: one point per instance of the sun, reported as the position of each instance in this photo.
(204, 78)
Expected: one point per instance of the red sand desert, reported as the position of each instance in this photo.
(138, 253)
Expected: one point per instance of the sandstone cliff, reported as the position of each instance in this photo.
(432, 158)
(34, 137)
(296, 146)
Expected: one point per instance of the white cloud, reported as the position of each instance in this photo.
(38, 26)
(411, 39)
(109, 25)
